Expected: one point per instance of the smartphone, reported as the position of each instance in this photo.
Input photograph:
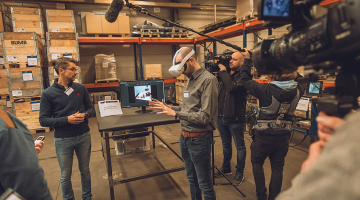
(39, 139)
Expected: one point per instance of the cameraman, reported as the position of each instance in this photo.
(332, 168)
(231, 121)
(277, 102)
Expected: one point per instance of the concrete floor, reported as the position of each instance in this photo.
(173, 186)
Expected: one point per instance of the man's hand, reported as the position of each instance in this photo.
(246, 54)
(76, 118)
(166, 109)
(326, 126)
(222, 67)
(39, 146)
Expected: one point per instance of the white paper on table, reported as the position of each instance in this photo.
(2, 61)
(32, 61)
(55, 56)
(27, 76)
(303, 104)
(55, 30)
(35, 106)
(8, 103)
(17, 93)
(109, 108)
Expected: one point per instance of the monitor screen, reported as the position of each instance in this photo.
(276, 8)
(315, 87)
(139, 93)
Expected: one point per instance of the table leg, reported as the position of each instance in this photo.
(109, 167)
(153, 136)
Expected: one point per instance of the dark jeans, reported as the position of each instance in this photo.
(276, 151)
(196, 155)
(64, 148)
(229, 130)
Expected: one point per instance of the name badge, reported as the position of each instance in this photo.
(69, 91)
(186, 94)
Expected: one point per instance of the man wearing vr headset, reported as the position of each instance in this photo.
(232, 105)
(198, 117)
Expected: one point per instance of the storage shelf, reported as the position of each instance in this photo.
(327, 3)
(229, 32)
(101, 85)
(233, 31)
(107, 40)
(132, 40)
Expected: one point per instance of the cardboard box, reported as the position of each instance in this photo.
(97, 24)
(246, 9)
(152, 71)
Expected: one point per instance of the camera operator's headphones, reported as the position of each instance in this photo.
(178, 68)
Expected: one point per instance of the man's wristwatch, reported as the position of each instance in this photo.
(176, 115)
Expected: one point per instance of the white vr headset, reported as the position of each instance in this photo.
(178, 68)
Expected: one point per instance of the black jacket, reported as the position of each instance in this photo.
(264, 92)
(232, 94)
(56, 106)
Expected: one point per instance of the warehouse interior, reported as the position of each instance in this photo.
(131, 55)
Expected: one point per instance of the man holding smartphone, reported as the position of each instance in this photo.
(66, 106)
(20, 169)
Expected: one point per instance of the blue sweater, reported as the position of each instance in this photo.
(56, 106)
(19, 164)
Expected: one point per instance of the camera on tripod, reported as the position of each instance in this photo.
(328, 44)
(212, 62)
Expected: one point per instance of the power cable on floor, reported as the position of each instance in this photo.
(300, 142)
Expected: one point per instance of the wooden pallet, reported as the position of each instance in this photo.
(25, 99)
(4, 96)
(250, 16)
(152, 78)
(181, 81)
(98, 35)
(107, 81)
(150, 35)
(37, 130)
(149, 30)
(179, 35)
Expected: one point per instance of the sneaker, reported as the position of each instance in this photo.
(238, 179)
(224, 171)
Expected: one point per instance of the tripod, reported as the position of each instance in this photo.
(214, 167)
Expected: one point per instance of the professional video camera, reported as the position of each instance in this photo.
(223, 59)
(327, 44)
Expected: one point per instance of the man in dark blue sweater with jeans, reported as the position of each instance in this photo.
(66, 106)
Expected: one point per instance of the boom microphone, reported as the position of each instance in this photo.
(113, 11)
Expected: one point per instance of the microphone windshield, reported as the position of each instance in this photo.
(113, 11)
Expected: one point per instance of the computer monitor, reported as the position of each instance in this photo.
(139, 93)
(315, 88)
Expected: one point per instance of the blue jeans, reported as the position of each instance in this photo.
(227, 130)
(65, 148)
(196, 155)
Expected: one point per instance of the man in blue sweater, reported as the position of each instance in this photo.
(66, 106)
